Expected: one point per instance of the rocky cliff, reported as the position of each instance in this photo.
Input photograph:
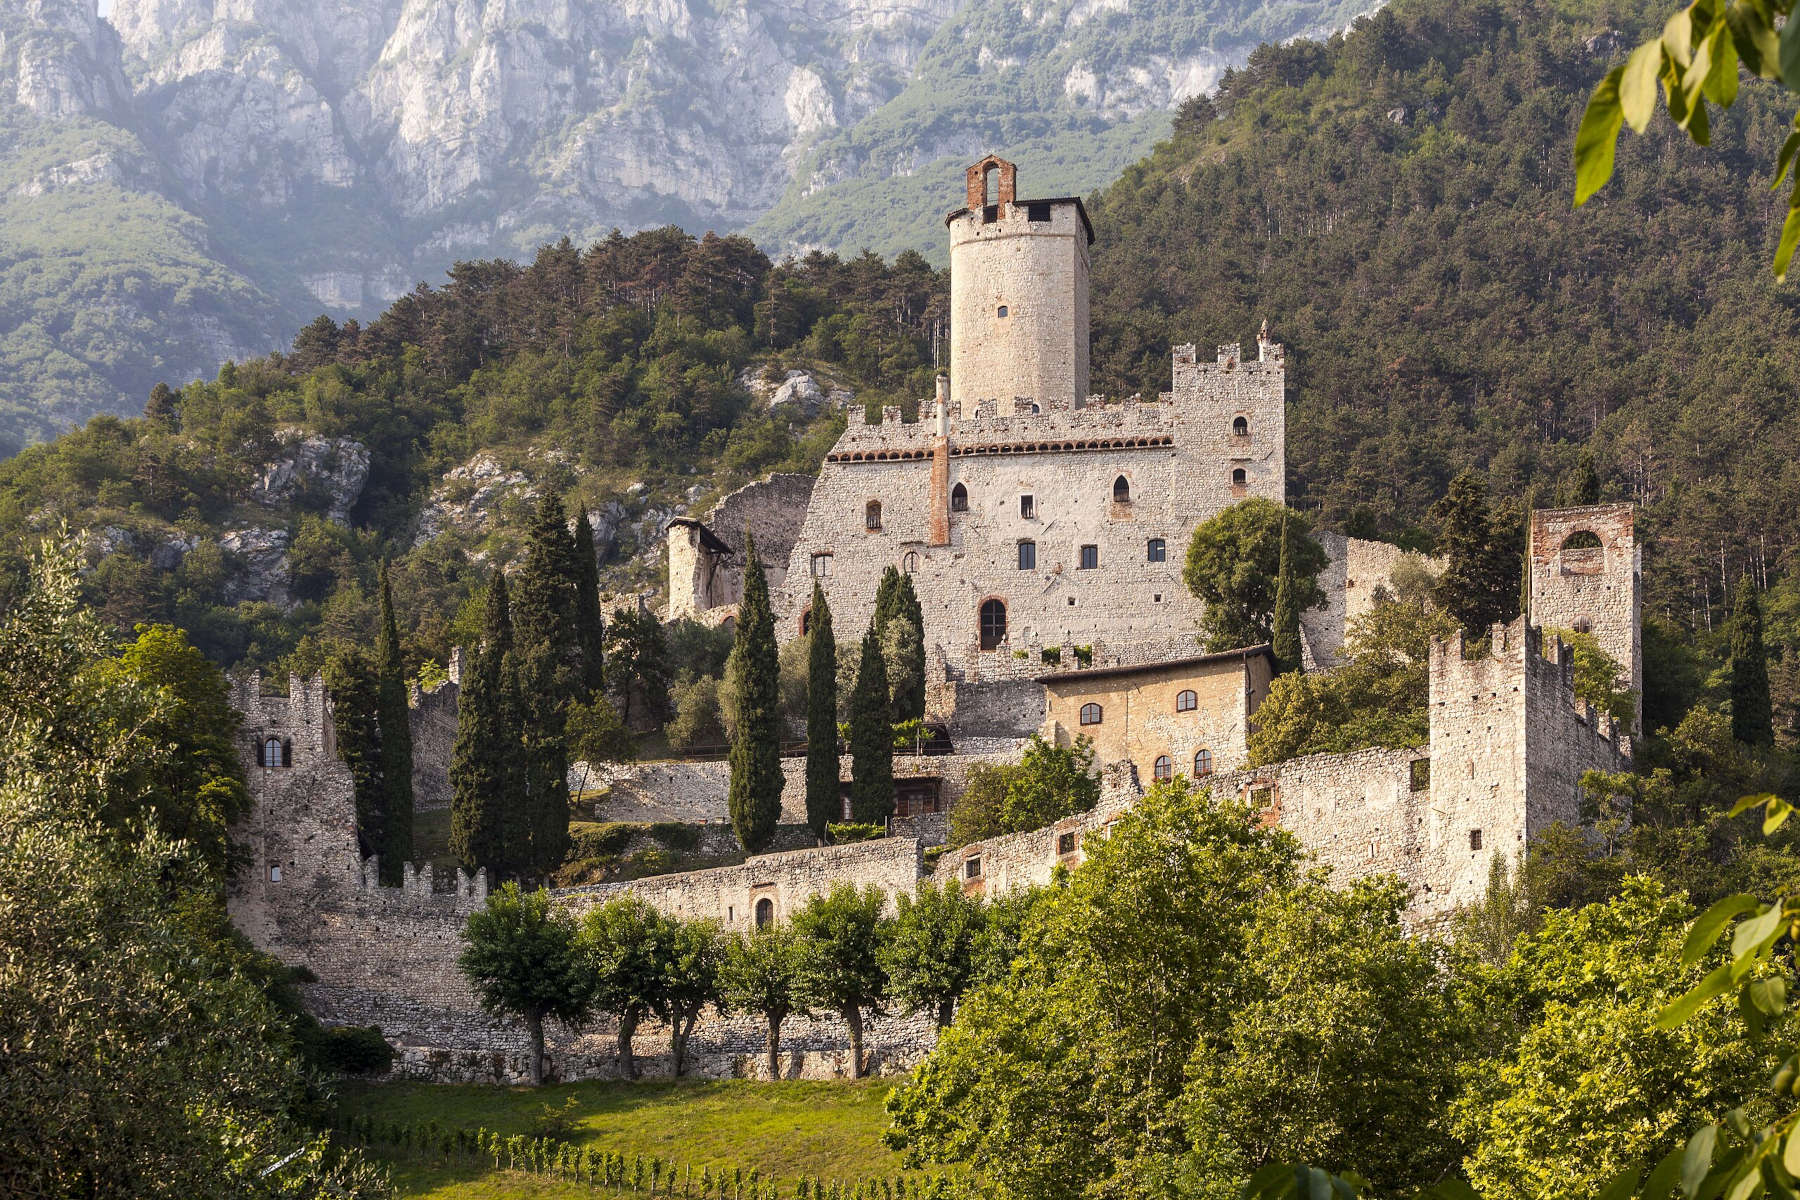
(217, 171)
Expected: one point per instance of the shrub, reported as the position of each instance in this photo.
(677, 836)
(852, 831)
(353, 1050)
(602, 839)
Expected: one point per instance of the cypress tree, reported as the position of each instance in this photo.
(1752, 719)
(871, 737)
(822, 804)
(355, 706)
(1478, 586)
(755, 796)
(395, 721)
(548, 648)
(1286, 642)
(909, 701)
(590, 627)
(888, 603)
(486, 767)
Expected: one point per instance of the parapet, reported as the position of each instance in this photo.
(301, 718)
(420, 881)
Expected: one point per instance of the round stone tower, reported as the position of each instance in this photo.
(1018, 294)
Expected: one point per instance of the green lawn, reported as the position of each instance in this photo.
(782, 1129)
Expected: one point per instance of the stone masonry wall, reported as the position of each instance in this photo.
(1596, 589)
(1355, 570)
(433, 738)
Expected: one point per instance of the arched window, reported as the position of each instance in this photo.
(1164, 770)
(1240, 427)
(959, 499)
(1186, 700)
(872, 515)
(1156, 550)
(271, 753)
(1121, 490)
(988, 191)
(1090, 714)
(1001, 311)
(1582, 539)
(765, 912)
(993, 623)
(1239, 478)
(1202, 763)
(910, 563)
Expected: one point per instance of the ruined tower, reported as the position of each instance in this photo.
(1018, 293)
(1587, 575)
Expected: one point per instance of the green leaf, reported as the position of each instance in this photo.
(1662, 1180)
(1756, 40)
(1678, 37)
(1752, 1015)
(1778, 812)
(1622, 1186)
(1274, 1182)
(1790, 55)
(1790, 1150)
(1707, 927)
(1722, 58)
(1769, 995)
(1684, 1007)
(1749, 1184)
(1696, 1160)
(1756, 934)
(1698, 126)
(1594, 141)
(1746, 803)
(1637, 86)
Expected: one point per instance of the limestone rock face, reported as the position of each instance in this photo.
(329, 471)
(469, 497)
(260, 557)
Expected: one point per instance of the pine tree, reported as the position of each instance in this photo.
(1286, 642)
(394, 718)
(871, 737)
(755, 796)
(822, 804)
(1752, 719)
(350, 677)
(1478, 586)
(486, 767)
(590, 627)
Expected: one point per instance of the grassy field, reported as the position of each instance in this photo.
(782, 1129)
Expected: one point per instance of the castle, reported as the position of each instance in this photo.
(1035, 521)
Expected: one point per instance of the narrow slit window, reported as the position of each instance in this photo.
(1027, 507)
(1121, 490)
(872, 515)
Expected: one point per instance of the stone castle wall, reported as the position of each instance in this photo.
(433, 738)
(1596, 589)
(1355, 570)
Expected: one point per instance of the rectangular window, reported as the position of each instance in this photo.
(1027, 556)
(1421, 774)
(821, 566)
(1474, 839)
(1262, 797)
(1027, 507)
(972, 867)
(1065, 843)
(274, 872)
(1157, 551)
(1037, 212)
(1090, 557)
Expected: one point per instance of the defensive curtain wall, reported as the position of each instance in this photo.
(1509, 744)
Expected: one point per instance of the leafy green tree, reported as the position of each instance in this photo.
(930, 954)
(1478, 584)
(520, 955)
(840, 936)
(697, 724)
(1285, 634)
(822, 792)
(690, 981)
(1374, 697)
(355, 687)
(1049, 783)
(142, 1057)
(871, 738)
(1595, 1081)
(596, 734)
(395, 722)
(1752, 718)
(487, 769)
(900, 626)
(625, 951)
(195, 793)
(756, 779)
(1234, 563)
(590, 627)
(761, 974)
(1599, 678)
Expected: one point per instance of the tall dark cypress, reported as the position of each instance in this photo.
(1478, 586)
(355, 717)
(1286, 642)
(395, 720)
(871, 737)
(888, 602)
(1752, 718)
(911, 704)
(822, 804)
(547, 643)
(487, 827)
(755, 796)
(590, 627)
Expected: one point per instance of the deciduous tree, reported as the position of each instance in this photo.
(625, 947)
(761, 974)
(930, 954)
(1048, 783)
(1234, 562)
(520, 956)
(841, 935)
(690, 981)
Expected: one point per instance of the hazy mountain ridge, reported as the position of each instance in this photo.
(191, 180)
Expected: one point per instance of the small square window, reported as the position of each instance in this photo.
(1071, 602)
(821, 566)
(1156, 599)
(1001, 311)
(1090, 557)
(1037, 212)
(972, 867)
(1065, 843)
(1027, 507)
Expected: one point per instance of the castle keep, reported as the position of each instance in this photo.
(1044, 531)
